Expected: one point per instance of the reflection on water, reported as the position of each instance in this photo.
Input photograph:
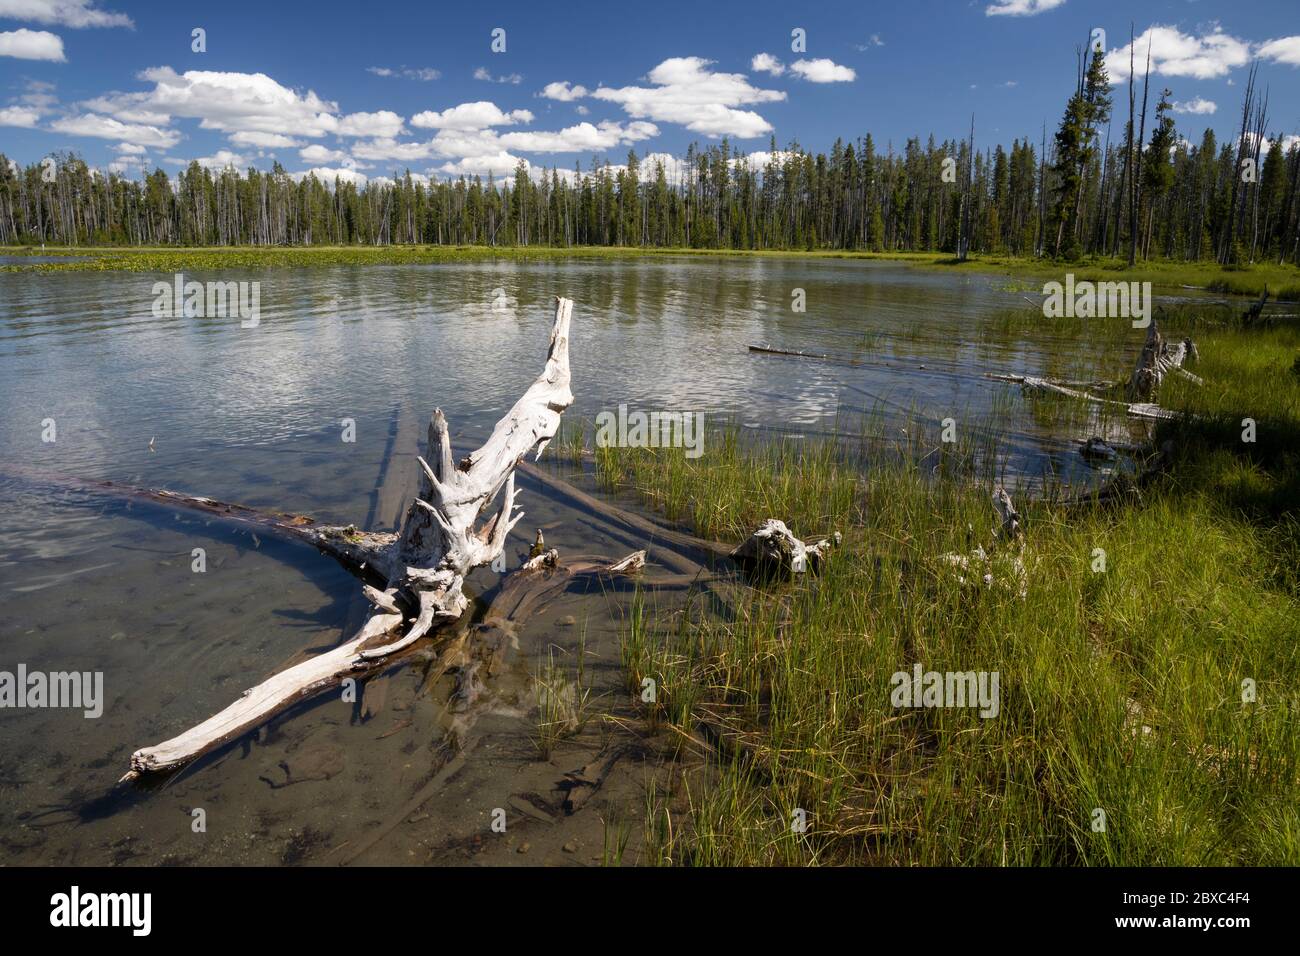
(255, 415)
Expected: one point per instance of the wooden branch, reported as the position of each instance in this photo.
(425, 564)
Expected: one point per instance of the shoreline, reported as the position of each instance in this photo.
(1282, 281)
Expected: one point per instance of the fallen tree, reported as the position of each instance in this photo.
(1157, 360)
(423, 565)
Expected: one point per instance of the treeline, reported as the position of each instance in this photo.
(1082, 191)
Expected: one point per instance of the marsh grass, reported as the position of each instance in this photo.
(1120, 690)
(563, 701)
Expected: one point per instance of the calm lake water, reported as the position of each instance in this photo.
(254, 415)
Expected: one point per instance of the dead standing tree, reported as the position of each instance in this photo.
(424, 564)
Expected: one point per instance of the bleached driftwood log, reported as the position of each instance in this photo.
(996, 567)
(425, 564)
(774, 547)
(1158, 359)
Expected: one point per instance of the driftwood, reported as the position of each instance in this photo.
(424, 565)
(774, 548)
(1157, 359)
(996, 567)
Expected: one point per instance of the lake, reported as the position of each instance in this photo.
(258, 415)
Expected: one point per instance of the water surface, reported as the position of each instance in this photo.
(257, 415)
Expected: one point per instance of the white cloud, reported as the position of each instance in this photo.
(66, 13)
(105, 127)
(482, 73)
(581, 138)
(1282, 50)
(424, 73)
(823, 71)
(222, 159)
(1197, 106)
(38, 94)
(563, 92)
(315, 153)
(264, 140)
(389, 149)
(766, 63)
(19, 116)
(1020, 8)
(1174, 53)
(131, 149)
(128, 107)
(873, 40)
(470, 116)
(384, 123)
(686, 92)
(498, 164)
(32, 45)
(581, 110)
(230, 102)
(759, 159)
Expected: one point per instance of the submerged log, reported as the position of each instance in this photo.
(425, 564)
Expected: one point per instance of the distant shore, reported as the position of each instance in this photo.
(1282, 281)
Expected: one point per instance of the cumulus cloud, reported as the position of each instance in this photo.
(1281, 50)
(1174, 53)
(766, 63)
(65, 13)
(315, 153)
(498, 164)
(1020, 8)
(222, 159)
(469, 116)
(32, 45)
(580, 138)
(1197, 106)
(383, 123)
(105, 127)
(563, 92)
(391, 150)
(823, 71)
(687, 92)
(229, 102)
(264, 140)
(19, 116)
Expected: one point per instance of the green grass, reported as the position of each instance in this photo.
(1165, 276)
(1200, 592)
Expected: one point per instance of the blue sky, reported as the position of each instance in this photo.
(397, 85)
